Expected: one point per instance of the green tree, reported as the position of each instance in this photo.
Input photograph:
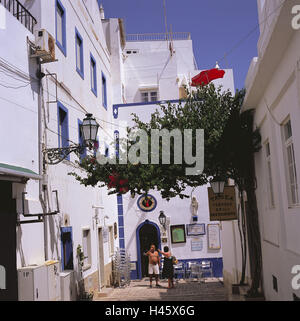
(229, 143)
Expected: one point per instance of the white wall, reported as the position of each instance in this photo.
(20, 107)
(279, 100)
(179, 212)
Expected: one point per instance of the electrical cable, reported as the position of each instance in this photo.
(238, 43)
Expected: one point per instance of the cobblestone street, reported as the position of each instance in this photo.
(211, 290)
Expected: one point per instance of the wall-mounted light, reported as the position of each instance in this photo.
(217, 186)
(89, 130)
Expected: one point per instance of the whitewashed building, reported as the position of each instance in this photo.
(46, 213)
(273, 88)
(155, 71)
(40, 115)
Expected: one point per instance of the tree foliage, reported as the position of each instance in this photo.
(207, 108)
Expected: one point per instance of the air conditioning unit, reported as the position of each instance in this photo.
(68, 286)
(44, 46)
(53, 280)
(31, 283)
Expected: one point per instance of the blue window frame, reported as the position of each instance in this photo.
(63, 126)
(104, 91)
(79, 53)
(93, 75)
(80, 140)
(60, 25)
(66, 248)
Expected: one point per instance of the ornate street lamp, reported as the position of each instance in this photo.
(217, 185)
(162, 219)
(89, 130)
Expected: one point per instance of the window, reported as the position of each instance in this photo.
(129, 52)
(79, 53)
(63, 126)
(80, 140)
(93, 75)
(148, 96)
(290, 164)
(67, 248)
(86, 248)
(106, 150)
(269, 175)
(275, 283)
(104, 91)
(60, 18)
(111, 240)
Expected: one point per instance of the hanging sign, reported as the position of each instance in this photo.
(222, 207)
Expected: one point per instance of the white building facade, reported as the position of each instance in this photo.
(273, 89)
(61, 213)
(47, 214)
(155, 72)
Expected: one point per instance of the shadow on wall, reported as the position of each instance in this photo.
(19, 246)
(54, 235)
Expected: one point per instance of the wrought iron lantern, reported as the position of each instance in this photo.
(89, 130)
(217, 186)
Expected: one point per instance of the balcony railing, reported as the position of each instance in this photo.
(158, 36)
(20, 12)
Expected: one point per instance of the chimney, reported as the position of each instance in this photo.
(102, 15)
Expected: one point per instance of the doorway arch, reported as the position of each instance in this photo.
(146, 233)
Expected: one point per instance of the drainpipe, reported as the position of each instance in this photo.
(40, 76)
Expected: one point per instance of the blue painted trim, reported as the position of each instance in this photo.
(119, 200)
(120, 209)
(94, 81)
(104, 91)
(81, 70)
(65, 129)
(146, 210)
(121, 220)
(122, 243)
(217, 264)
(64, 230)
(133, 273)
(217, 267)
(121, 232)
(80, 140)
(138, 244)
(61, 46)
(160, 102)
(106, 150)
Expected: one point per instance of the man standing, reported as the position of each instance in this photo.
(154, 264)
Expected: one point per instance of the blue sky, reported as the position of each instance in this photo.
(217, 26)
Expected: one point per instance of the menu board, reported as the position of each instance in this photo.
(213, 235)
(222, 207)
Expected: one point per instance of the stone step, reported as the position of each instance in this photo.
(104, 292)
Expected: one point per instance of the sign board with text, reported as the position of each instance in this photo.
(222, 207)
(213, 236)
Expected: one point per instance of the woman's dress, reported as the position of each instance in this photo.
(168, 269)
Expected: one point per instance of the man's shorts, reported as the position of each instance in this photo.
(153, 269)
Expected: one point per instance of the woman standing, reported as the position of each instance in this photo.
(168, 269)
